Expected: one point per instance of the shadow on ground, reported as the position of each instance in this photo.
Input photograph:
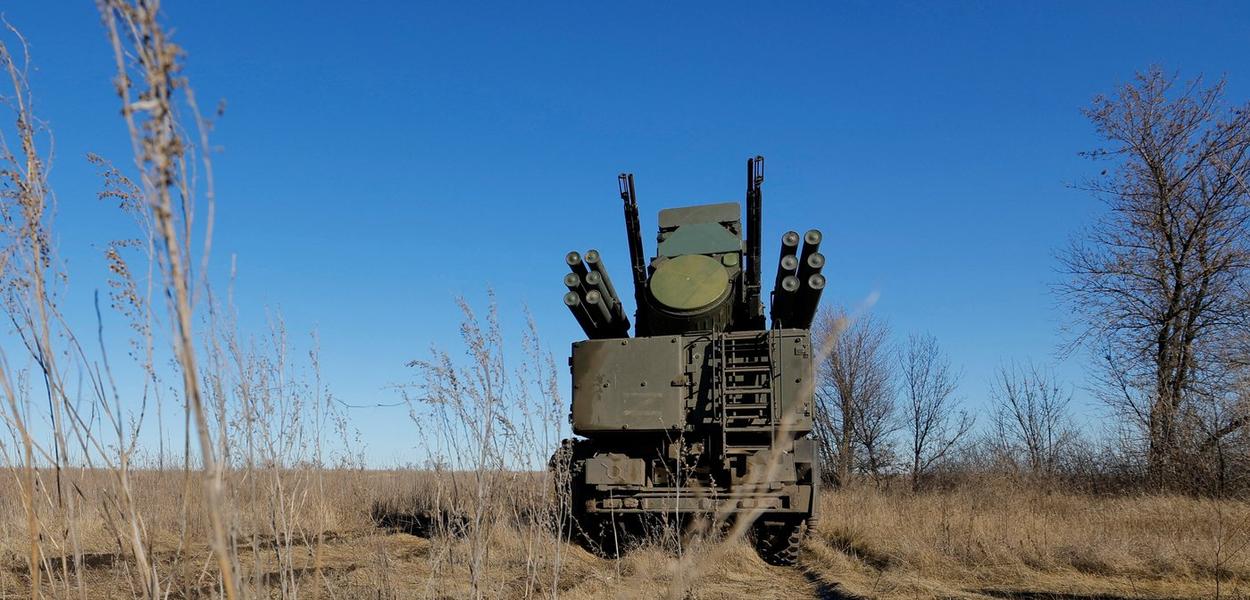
(826, 590)
(421, 523)
(1034, 595)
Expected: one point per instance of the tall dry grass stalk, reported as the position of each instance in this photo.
(30, 273)
(148, 82)
(490, 427)
(257, 414)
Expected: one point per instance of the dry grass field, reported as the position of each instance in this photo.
(994, 539)
(259, 509)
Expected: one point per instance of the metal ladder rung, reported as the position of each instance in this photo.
(744, 378)
(747, 369)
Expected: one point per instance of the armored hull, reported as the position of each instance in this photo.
(705, 410)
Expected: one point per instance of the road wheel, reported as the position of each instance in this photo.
(778, 541)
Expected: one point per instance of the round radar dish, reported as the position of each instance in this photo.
(689, 283)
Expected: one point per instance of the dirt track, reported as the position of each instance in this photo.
(737, 573)
(731, 571)
(382, 564)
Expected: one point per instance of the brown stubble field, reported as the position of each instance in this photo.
(260, 512)
(992, 539)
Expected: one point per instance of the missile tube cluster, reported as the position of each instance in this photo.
(592, 298)
(799, 284)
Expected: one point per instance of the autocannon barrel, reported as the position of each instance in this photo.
(811, 266)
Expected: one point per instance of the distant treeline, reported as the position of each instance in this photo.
(1157, 292)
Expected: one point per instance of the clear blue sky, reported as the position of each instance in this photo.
(378, 159)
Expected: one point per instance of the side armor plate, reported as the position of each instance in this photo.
(628, 384)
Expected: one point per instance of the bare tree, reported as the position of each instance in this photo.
(1031, 421)
(934, 419)
(855, 414)
(876, 422)
(1159, 285)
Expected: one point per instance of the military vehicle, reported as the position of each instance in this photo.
(706, 409)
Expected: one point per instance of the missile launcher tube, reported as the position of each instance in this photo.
(573, 283)
(784, 298)
(790, 243)
(599, 310)
(811, 244)
(813, 265)
(597, 269)
(595, 262)
(806, 301)
(574, 302)
(785, 267)
(574, 260)
(594, 283)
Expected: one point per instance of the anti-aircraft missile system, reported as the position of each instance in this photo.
(707, 409)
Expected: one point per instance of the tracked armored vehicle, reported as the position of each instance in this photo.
(707, 409)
